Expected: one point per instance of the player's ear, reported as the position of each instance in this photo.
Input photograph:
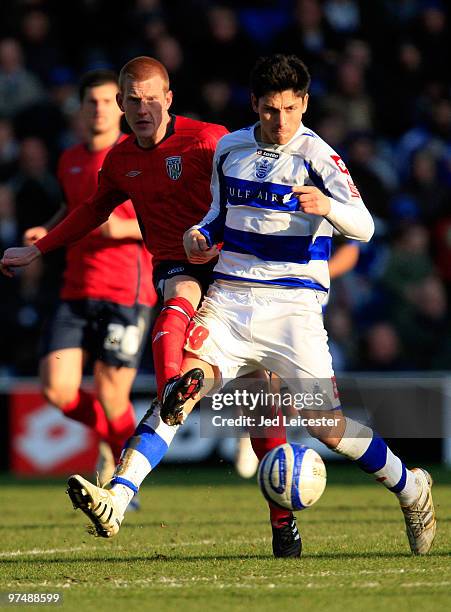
(305, 103)
(169, 96)
(120, 100)
(254, 103)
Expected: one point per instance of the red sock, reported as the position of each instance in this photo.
(119, 431)
(168, 339)
(263, 445)
(87, 410)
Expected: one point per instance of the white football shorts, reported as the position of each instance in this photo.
(241, 329)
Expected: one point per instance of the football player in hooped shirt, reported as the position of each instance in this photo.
(165, 168)
(107, 294)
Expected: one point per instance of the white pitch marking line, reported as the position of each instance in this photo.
(42, 551)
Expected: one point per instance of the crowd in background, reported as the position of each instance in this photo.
(380, 96)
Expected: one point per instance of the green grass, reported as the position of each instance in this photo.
(202, 543)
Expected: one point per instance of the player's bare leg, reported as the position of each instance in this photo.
(113, 386)
(412, 487)
(61, 373)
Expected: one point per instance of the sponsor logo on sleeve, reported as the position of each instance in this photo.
(353, 189)
(340, 164)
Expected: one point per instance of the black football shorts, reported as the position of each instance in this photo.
(109, 332)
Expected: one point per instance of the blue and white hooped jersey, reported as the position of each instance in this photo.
(266, 237)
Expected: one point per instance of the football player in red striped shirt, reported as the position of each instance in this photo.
(107, 294)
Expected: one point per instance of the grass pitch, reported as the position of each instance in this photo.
(202, 542)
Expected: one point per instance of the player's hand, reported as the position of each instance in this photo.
(312, 201)
(17, 257)
(196, 247)
(33, 234)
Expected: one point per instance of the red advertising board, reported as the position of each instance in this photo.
(43, 441)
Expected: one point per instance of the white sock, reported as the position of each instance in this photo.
(123, 496)
(411, 491)
(372, 455)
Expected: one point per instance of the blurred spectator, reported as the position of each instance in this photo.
(342, 342)
(350, 97)
(430, 32)
(41, 52)
(333, 128)
(9, 231)
(382, 350)
(442, 249)
(146, 23)
(19, 88)
(36, 189)
(225, 51)
(218, 106)
(9, 149)
(310, 36)
(371, 175)
(409, 264)
(47, 120)
(427, 331)
(343, 15)
(433, 132)
(404, 78)
(428, 194)
(31, 304)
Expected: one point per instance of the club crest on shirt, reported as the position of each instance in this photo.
(262, 167)
(174, 167)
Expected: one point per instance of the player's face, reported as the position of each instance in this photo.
(146, 105)
(280, 114)
(99, 111)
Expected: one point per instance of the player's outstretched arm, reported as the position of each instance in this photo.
(196, 247)
(18, 257)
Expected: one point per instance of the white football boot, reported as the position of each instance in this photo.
(420, 516)
(98, 504)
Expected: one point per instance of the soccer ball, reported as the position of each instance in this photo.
(292, 476)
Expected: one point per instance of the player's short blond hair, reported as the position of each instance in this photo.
(142, 68)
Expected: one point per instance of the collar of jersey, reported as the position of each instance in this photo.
(170, 130)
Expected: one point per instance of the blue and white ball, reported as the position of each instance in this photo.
(292, 476)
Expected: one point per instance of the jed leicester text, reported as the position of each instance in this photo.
(262, 421)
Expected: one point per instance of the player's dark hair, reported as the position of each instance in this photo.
(277, 73)
(95, 78)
